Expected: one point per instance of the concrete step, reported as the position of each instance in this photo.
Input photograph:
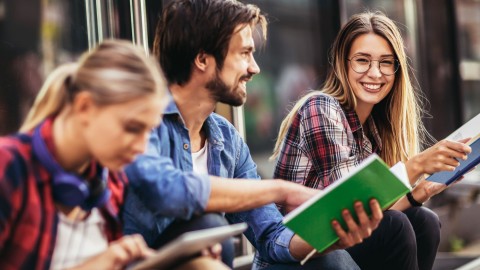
(450, 261)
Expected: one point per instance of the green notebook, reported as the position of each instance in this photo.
(371, 179)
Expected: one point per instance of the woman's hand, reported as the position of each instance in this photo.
(443, 156)
(214, 252)
(119, 253)
(357, 231)
(425, 189)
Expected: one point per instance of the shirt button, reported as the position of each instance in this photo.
(185, 146)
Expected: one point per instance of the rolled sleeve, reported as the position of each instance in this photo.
(166, 190)
(267, 233)
(281, 248)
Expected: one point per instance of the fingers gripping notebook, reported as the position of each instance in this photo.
(188, 244)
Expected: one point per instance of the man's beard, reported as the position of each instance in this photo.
(221, 92)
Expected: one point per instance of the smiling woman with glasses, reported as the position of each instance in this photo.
(369, 105)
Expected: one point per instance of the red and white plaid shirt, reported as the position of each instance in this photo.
(324, 142)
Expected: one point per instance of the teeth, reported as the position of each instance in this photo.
(372, 86)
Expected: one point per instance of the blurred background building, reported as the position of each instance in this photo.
(442, 38)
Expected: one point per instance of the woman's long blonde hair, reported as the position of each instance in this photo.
(114, 72)
(398, 115)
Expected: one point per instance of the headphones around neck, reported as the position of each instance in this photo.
(68, 188)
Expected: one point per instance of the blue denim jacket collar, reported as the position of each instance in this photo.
(214, 133)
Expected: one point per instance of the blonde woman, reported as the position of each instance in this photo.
(61, 185)
(368, 105)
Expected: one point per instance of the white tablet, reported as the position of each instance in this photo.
(187, 245)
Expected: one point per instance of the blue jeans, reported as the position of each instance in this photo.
(335, 260)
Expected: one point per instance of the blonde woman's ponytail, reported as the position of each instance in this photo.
(116, 71)
(51, 98)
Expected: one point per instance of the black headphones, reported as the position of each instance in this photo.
(68, 188)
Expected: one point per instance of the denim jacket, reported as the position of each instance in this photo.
(163, 186)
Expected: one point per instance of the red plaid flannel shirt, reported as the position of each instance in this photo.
(28, 217)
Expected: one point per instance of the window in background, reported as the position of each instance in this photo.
(468, 36)
(468, 40)
(291, 62)
(35, 37)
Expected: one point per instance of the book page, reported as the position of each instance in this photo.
(471, 129)
(400, 171)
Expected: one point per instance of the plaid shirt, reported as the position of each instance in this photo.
(324, 142)
(28, 216)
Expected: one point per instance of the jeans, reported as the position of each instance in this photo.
(403, 240)
(335, 260)
(205, 221)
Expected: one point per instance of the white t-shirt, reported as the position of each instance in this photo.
(199, 160)
(78, 240)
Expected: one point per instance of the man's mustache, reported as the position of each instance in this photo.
(246, 77)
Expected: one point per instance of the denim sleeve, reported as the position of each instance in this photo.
(164, 189)
(265, 230)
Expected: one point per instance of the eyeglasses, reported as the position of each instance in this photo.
(361, 64)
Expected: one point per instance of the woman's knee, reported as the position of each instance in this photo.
(422, 216)
(425, 222)
(397, 228)
(397, 221)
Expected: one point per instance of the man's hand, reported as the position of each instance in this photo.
(295, 195)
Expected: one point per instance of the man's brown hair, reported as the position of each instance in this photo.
(189, 27)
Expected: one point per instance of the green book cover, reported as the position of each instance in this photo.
(371, 179)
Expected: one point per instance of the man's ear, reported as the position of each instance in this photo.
(203, 60)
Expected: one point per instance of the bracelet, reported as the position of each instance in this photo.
(412, 200)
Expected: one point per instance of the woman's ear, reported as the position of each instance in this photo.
(83, 106)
